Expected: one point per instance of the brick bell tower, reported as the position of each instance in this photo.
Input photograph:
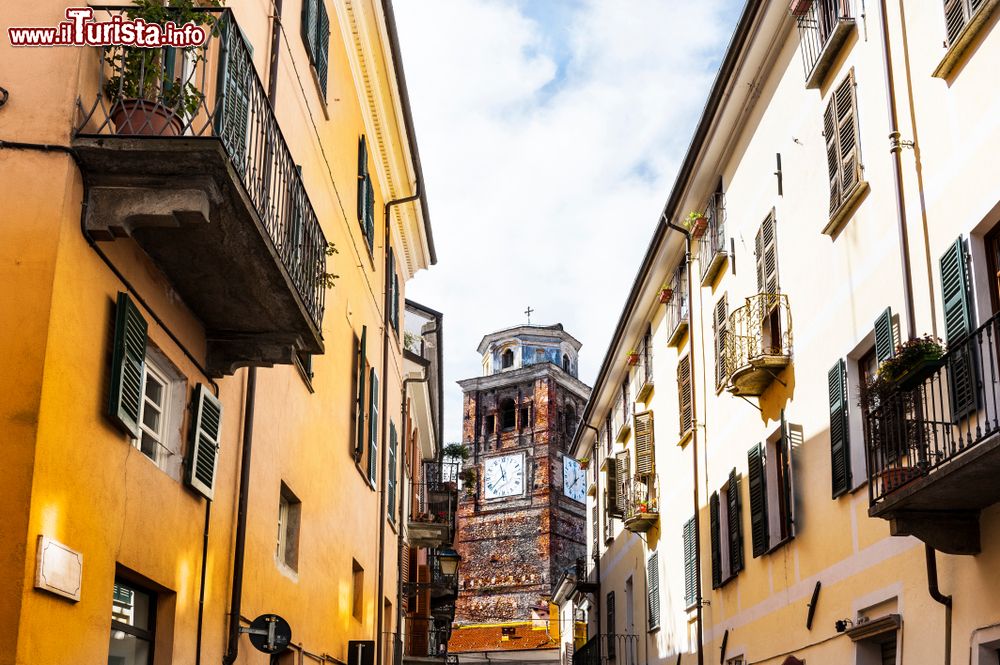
(523, 519)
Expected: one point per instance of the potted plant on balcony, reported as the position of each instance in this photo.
(696, 223)
(893, 478)
(469, 479)
(913, 361)
(143, 101)
(584, 462)
(456, 451)
(632, 358)
(642, 506)
(666, 293)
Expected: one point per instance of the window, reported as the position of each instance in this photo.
(843, 153)
(879, 649)
(653, 590)
(525, 420)
(690, 564)
(507, 414)
(770, 480)
(727, 531)
(289, 516)
(133, 625)
(595, 529)
(366, 193)
(766, 251)
(607, 508)
(684, 396)
(719, 324)
(611, 625)
(565, 363)
(992, 242)
(360, 392)
(489, 426)
(956, 301)
(160, 412)
(507, 359)
(958, 14)
(373, 404)
(622, 471)
(391, 478)
(316, 35)
(357, 591)
(569, 422)
(392, 280)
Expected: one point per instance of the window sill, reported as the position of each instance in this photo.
(726, 581)
(778, 545)
(839, 218)
(829, 52)
(956, 51)
(685, 437)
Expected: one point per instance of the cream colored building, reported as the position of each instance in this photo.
(748, 504)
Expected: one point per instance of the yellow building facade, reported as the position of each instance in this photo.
(778, 473)
(204, 258)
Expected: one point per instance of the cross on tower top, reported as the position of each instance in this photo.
(528, 312)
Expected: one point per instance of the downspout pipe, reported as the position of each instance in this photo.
(896, 147)
(597, 554)
(935, 593)
(239, 551)
(699, 633)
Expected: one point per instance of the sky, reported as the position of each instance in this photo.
(550, 133)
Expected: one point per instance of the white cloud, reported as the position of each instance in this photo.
(550, 134)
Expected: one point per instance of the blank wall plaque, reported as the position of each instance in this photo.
(58, 569)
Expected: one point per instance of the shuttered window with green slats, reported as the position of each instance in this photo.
(840, 449)
(715, 522)
(316, 37)
(366, 196)
(373, 410)
(956, 299)
(360, 393)
(611, 625)
(128, 361)
(957, 14)
(690, 561)
(757, 480)
(390, 481)
(653, 590)
(734, 523)
(237, 74)
(393, 282)
(885, 339)
(206, 426)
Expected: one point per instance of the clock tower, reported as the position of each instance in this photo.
(522, 520)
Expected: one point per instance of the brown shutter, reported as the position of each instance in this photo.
(954, 18)
(832, 154)
(644, 443)
(614, 503)
(847, 134)
(766, 245)
(622, 472)
(719, 328)
(684, 394)
(715, 526)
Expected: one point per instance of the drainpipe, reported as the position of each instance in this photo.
(239, 552)
(896, 147)
(932, 589)
(694, 445)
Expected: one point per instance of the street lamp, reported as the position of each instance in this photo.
(449, 560)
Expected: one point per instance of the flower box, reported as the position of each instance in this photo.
(632, 359)
(666, 294)
(919, 372)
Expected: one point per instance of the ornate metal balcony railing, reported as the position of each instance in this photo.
(758, 342)
(213, 92)
(712, 250)
(823, 26)
(432, 522)
(677, 308)
(935, 414)
(620, 649)
(643, 377)
(422, 640)
(642, 502)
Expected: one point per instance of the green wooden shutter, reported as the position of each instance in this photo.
(128, 364)
(393, 292)
(391, 479)
(322, 45)
(237, 74)
(840, 456)
(310, 22)
(362, 179)
(715, 526)
(690, 557)
(206, 424)
(884, 340)
(611, 625)
(373, 406)
(653, 589)
(758, 500)
(359, 406)
(614, 496)
(956, 300)
(832, 154)
(369, 212)
(735, 523)
(644, 444)
(786, 448)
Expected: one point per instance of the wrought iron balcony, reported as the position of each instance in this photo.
(621, 420)
(432, 524)
(620, 649)
(758, 343)
(422, 640)
(933, 444)
(712, 251)
(677, 307)
(642, 503)
(824, 26)
(183, 153)
(643, 377)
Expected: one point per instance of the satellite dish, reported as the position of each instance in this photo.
(269, 633)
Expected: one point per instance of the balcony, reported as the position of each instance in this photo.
(933, 445)
(642, 503)
(621, 649)
(183, 154)
(712, 251)
(423, 640)
(643, 376)
(824, 26)
(432, 524)
(758, 343)
(583, 581)
(677, 308)
(621, 421)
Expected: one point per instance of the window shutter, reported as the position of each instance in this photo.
(362, 179)
(393, 295)
(391, 479)
(884, 340)
(786, 448)
(233, 123)
(622, 472)
(614, 495)
(719, 328)
(128, 362)
(359, 409)
(595, 528)
(653, 589)
(369, 211)
(714, 526)
(840, 457)
(206, 423)
(611, 625)
(690, 555)
(310, 21)
(322, 46)
(832, 154)
(766, 247)
(684, 394)
(734, 512)
(847, 135)
(758, 500)
(954, 18)
(373, 427)
(955, 297)
(607, 516)
(644, 443)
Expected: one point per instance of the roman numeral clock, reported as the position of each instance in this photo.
(522, 522)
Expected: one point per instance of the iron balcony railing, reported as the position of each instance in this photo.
(760, 328)
(619, 419)
(432, 521)
(712, 247)
(643, 376)
(934, 413)
(641, 502)
(822, 27)
(213, 92)
(422, 638)
(620, 649)
(677, 308)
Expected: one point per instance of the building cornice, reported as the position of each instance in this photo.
(531, 372)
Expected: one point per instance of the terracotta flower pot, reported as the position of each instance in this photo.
(632, 359)
(698, 227)
(141, 117)
(666, 295)
(893, 479)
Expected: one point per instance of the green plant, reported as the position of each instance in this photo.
(138, 73)
(410, 341)
(456, 451)
(907, 355)
(328, 279)
(692, 219)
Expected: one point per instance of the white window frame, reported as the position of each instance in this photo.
(151, 368)
(169, 444)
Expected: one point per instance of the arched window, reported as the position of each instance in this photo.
(507, 359)
(570, 422)
(507, 414)
(565, 363)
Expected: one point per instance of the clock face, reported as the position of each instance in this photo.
(574, 479)
(504, 476)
